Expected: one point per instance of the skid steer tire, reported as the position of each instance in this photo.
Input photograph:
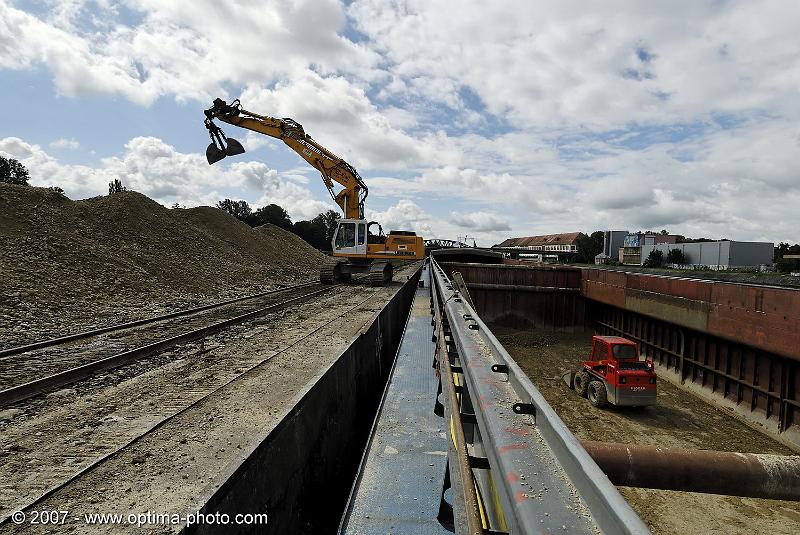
(580, 382)
(597, 394)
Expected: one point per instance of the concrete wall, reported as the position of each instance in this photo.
(751, 253)
(719, 253)
(301, 472)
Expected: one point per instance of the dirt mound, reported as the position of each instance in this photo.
(65, 258)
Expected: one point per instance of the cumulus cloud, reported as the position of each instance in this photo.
(404, 215)
(340, 116)
(578, 65)
(479, 221)
(64, 143)
(155, 168)
(189, 49)
(541, 117)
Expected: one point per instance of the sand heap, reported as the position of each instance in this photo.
(56, 253)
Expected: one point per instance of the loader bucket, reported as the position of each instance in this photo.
(214, 154)
(233, 148)
(569, 379)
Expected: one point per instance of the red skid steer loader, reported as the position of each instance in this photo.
(614, 374)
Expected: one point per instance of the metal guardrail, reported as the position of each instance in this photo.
(532, 474)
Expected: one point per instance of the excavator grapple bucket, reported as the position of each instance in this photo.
(220, 145)
(214, 154)
(233, 148)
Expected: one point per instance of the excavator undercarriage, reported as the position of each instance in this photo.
(341, 270)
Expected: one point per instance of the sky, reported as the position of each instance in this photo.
(487, 119)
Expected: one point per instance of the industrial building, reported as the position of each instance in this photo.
(719, 255)
(541, 248)
(613, 241)
(631, 252)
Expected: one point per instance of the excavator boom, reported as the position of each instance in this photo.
(332, 168)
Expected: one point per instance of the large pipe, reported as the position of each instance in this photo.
(751, 475)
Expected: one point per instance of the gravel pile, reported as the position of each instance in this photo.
(67, 265)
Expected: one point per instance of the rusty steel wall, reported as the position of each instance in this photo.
(738, 344)
(764, 384)
(766, 318)
(546, 297)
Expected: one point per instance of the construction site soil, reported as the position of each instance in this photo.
(164, 431)
(70, 265)
(678, 420)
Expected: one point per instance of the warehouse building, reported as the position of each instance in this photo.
(719, 255)
(548, 246)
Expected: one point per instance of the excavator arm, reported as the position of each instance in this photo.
(332, 168)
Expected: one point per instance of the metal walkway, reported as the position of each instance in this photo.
(399, 487)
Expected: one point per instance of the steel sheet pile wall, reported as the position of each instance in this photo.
(525, 296)
(301, 471)
(738, 342)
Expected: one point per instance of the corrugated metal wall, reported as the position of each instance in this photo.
(759, 382)
(519, 296)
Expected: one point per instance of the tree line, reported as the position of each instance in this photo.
(318, 232)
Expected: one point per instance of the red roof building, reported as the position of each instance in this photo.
(559, 243)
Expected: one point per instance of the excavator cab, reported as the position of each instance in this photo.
(350, 238)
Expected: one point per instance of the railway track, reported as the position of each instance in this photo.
(180, 400)
(10, 351)
(36, 368)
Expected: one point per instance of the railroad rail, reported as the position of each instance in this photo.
(195, 402)
(29, 374)
(528, 472)
(5, 353)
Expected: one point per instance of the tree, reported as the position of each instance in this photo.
(654, 259)
(271, 213)
(115, 186)
(589, 246)
(318, 232)
(787, 265)
(56, 189)
(312, 232)
(329, 220)
(13, 172)
(676, 256)
(238, 209)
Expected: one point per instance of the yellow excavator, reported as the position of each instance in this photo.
(356, 248)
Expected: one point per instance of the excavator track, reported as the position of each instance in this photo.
(380, 273)
(332, 271)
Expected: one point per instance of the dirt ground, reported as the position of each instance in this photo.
(232, 390)
(69, 265)
(678, 420)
